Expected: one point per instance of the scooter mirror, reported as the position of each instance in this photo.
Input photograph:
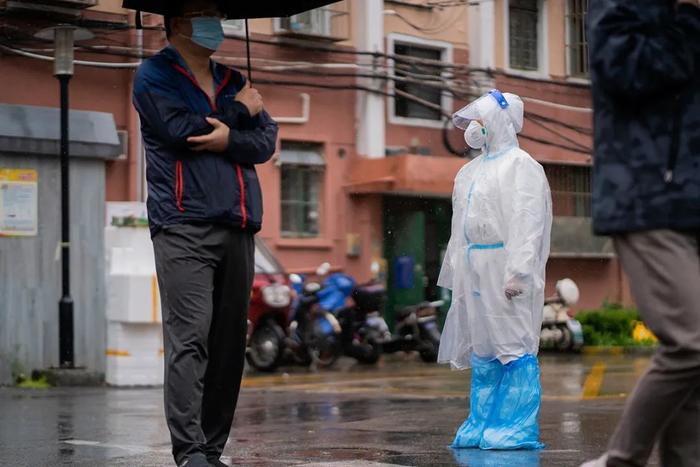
(295, 279)
(323, 269)
(568, 291)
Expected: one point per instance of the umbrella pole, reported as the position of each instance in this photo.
(247, 47)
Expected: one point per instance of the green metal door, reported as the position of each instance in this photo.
(405, 245)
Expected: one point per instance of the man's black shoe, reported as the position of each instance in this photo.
(217, 463)
(197, 460)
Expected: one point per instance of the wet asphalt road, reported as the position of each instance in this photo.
(401, 413)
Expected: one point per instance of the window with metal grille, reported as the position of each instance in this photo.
(578, 43)
(523, 34)
(409, 108)
(302, 174)
(571, 189)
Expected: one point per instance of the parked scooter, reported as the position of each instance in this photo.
(269, 310)
(559, 330)
(313, 336)
(417, 330)
(358, 309)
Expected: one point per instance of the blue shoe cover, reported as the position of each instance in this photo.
(513, 422)
(486, 376)
(481, 458)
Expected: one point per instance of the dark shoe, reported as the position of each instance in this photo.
(217, 463)
(197, 460)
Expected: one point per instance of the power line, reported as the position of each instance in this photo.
(344, 87)
(560, 135)
(114, 65)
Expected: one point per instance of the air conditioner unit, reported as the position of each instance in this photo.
(52, 7)
(124, 144)
(314, 23)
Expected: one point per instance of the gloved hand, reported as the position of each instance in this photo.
(514, 287)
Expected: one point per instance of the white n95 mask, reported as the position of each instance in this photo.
(475, 135)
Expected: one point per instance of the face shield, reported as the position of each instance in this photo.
(500, 113)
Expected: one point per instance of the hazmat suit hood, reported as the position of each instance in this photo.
(502, 116)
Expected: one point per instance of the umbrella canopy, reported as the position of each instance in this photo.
(233, 9)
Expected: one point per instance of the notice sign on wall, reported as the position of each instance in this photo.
(18, 202)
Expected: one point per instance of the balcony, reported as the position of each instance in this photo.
(404, 175)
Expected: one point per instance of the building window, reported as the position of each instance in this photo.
(408, 108)
(523, 31)
(302, 176)
(571, 189)
(578, 43)
(315, 22)
(418, 99)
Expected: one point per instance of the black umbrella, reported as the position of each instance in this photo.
(233, 9)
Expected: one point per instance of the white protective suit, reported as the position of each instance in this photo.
(501, 225)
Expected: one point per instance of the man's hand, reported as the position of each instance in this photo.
(695, 3)
(251, 98)
(216, 141)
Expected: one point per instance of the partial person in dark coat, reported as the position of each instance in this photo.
(645, 75)
(204, 130)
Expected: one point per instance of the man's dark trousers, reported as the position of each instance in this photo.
(205, 273)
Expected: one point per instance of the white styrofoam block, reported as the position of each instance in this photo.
(132, 288)
(133, 298)
(133, 240)
(129, 249)
(134, 354)
(134, 338)
(132, 371)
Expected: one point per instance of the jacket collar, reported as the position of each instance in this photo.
(218, 71)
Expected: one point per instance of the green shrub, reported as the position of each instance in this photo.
(612, 325)
(39, 383)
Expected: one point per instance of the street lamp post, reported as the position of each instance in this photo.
(63, 70)
(64, 37)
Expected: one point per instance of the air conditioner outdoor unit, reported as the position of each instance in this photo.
(124, 143)
(314, 23)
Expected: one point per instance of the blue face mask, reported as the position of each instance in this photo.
(207, 32)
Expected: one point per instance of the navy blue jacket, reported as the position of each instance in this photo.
(645, 74)
(185, 186)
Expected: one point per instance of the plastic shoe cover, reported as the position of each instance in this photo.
(486, 377)
(480, 458)
(513, 422)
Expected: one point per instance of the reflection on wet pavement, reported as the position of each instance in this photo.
(402, 413)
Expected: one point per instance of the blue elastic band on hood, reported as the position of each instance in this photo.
(500, 98)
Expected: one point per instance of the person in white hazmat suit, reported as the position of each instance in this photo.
(495, 266)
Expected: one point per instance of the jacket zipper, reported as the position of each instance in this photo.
(179, 188)
(675, 137)
(241, 183)
(212, 104)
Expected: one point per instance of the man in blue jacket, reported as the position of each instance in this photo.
(645, 76)
(204, 131)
